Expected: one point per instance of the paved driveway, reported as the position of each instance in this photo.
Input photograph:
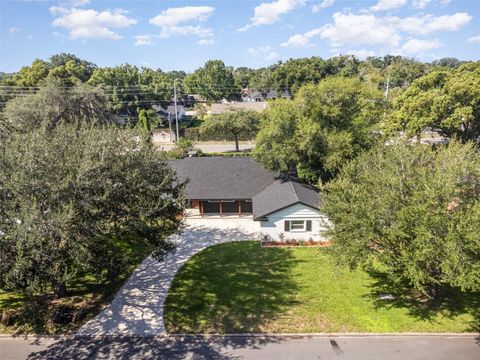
(137, 308)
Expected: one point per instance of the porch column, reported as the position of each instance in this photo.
(200, 204)
(239, 208)
(221, 208)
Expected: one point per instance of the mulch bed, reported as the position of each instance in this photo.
(295, 243)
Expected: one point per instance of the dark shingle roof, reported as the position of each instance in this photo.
(282, 193)
(218, 178)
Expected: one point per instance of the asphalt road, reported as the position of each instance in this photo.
(208, 148)
(244, 347)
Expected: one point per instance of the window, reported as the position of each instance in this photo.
(298, 225)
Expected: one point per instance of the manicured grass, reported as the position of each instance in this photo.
(46, 315)
(241, 287)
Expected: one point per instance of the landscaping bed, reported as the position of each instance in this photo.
(240, 287)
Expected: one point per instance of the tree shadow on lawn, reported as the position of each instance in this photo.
(451, 301)
(231, 288)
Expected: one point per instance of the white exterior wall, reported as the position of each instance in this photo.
(274, 225)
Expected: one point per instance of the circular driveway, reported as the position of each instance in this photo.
(137, 308)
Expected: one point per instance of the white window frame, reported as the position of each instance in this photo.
(302, 229)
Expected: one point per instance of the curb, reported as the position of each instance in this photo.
(254, 335)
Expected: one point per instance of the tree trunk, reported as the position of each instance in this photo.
(237, 148)
(60, 290)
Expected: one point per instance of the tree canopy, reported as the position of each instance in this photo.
(52, 104)
(71, 196)
(234, 124)
(412, 208)
(446, 101)
(214, 81)
(324, 127)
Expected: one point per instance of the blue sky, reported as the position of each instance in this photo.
(184, 34)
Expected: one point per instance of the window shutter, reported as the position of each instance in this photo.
(287, 225)
(309, 225)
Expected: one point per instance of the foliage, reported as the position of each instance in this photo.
(67, 68)
(240, 287)
(289, 141)
(68, 193)
(181, 149)
(147, 120)
(324, 127)
(214, 81)
(46, 314)
(131, 89)
(237, 123)
(52, 104)
(447, 101)
(414, 209)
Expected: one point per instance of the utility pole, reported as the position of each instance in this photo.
(386, 98)
(170, 127)
(176, 111)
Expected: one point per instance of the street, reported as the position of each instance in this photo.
(356, 347)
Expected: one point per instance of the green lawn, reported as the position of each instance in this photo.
(241, 287)
(46, 315)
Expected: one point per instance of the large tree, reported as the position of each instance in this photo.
(414, 209)
(339, 113)
(52, 103)
(445, 101)
(131, 89)
(71, 195)
(235, 124)
(289, 141)
(214, 81)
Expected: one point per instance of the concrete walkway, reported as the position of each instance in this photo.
(137, 308)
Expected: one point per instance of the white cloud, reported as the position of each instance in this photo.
(182, 15)
(142, 40)
(301, 40)
(383, 5)
(429, 23)
(474, 39)
(361, 54)
(417, 46)
(76, 3)
(369, 29)
(206, 42)
(269, 13)
(185, 30)
(178, 21)
(420, 4)
(351, 29)
(91, 23)
(323, 5)
(266, 52)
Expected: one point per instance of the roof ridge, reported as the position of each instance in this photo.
(293, 188)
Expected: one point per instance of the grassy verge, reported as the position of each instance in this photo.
(47, 315)
(241, 287)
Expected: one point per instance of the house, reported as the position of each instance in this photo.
(232, 187)
(249, 95)
(217, 109)
(164, 113)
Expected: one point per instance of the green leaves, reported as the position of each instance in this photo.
(412, 208)
(447, 101)
(325, 126)
(67, 194)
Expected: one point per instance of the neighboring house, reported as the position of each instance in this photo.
(170, 109)
(217, 109)
(273, 95)
(122, 118)
(249, 95)
(241, 187)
